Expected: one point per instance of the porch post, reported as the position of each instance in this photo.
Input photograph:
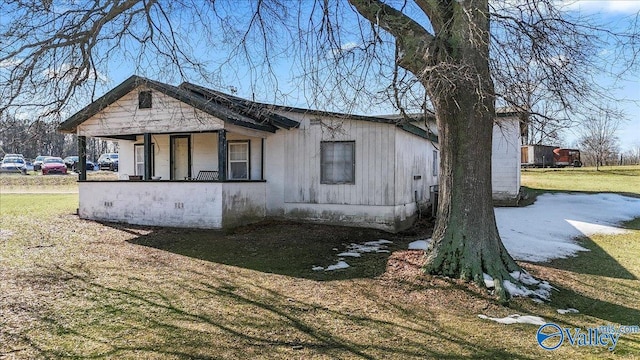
(222, 155)
(81, 167)
(262, 160)
(148, 173)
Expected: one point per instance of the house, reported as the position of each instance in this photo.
(212, 160)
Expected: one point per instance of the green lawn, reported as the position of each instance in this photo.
(75, 288)
(618, 179)
(35, 182)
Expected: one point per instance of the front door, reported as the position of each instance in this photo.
(180, 157)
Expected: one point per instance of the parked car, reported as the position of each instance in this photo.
(37, 163)
(53, 165)
(72, 163)
(14, 155)
(13, 164)
(108, 161)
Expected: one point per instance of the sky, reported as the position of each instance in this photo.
(251, 84)
(628, 89)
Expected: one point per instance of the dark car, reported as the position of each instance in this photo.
(37, 163)
(72, 163)
(53, 165)
(108, 161)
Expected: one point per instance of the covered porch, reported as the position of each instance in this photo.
(188, 156)
(201, 179)
(217, 155)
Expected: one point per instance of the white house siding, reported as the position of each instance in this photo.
(166, 115)
(126, 160)
(204, 153)
(414, 164)
(374, 153)
(377, 217)
(375, 200)
(180, 204)
(505, 160)
(274, 170)
(243, 203)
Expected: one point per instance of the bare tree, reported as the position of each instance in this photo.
(632, 156)
(441, 55)
(546, 59)
(598, 138)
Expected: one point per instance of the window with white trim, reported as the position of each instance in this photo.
(138, 159)
(337, 162)
(238, 160)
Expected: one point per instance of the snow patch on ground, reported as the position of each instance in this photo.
(568, 311)
(336, 266)
(591, 229)
(516, 319)
(378, 242)
(356, 250)
(368, 247)
(540, 290)
(419, 244)
(546, 230)
(488, 281)
(5, 234)
(339, 265)
(349, 254)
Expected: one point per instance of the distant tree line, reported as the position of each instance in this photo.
(599, 144)
(611, 158)
(32, 138)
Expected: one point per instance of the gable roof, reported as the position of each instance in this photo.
(236, 110)
(251, 107)
(241, 106)
(264, 120)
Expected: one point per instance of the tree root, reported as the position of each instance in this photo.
(502, 275)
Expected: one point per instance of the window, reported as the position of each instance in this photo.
(337, 162)
(435, 165)
(144, 100)
(138, 158)
(238, 160)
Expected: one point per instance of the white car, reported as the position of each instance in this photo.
(13, 164)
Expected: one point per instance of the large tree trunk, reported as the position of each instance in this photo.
(465, 243)
(453, 65)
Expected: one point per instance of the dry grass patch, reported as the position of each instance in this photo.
(77, 288)
(35, 182)
(73, 288)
